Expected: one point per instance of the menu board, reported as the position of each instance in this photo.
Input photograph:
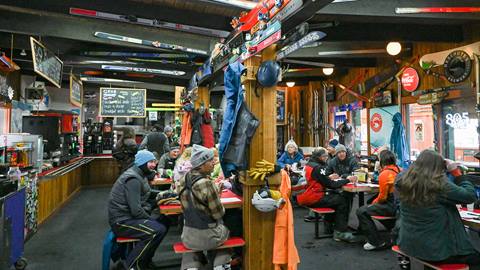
(122, 102)
(76, 91)
(46, 63)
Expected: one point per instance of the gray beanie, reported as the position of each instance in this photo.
(340, 148)
(200, 155)
(168, 129)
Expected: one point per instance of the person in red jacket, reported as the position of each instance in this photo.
(383, 205)
(317, 195)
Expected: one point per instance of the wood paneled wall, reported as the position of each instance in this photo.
(53, 193)
(101, 172)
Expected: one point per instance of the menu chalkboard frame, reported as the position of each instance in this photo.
(73, 101)
(33, 43)
(123, 89)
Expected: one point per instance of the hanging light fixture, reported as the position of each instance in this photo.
(290, 84)
(23, 52)
(327, 71)
(394, 48)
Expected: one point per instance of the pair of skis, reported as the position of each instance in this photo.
(150, 43)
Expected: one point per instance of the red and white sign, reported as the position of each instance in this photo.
(410, 79)
(376, 122)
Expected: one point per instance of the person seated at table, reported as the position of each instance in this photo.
(290, 156)
(130, 212)
(167, 161)
(431, 228)
(182, 165)
(172, 140)
(203, 228)
(324, 192)
(342, 165)
(383, 205)
(125, 149)
(331, 148)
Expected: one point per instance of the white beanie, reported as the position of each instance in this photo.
(291, 143)
(200, 155)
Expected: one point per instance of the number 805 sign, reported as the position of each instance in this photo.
(457, 120)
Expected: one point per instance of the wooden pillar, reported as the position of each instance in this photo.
(203, 96)
(259, 226)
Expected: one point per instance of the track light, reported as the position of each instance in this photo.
(290, 84)
(23, 52)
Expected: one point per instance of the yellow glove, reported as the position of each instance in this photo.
(261, 170)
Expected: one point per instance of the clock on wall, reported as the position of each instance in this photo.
(457, 66)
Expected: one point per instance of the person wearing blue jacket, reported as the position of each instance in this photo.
(290, 156)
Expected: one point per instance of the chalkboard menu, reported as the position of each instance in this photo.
(46, 63)
(122, 102)
(76, 91)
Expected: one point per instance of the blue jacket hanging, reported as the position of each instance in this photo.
(234, 96)
(398, 142)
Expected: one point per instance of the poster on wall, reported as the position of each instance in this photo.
(76, 91)
(419, 131)
(281, 107)
(381, 126)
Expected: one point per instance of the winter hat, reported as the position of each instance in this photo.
(333, 143)
(340, 147)
(168, 129)
(291, 143)
(319, 152)
(200, 155)
(143, 156)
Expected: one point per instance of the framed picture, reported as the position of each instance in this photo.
(46, 63)
(76, 91)
(281, 107)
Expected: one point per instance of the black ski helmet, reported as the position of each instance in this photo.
(268, 73)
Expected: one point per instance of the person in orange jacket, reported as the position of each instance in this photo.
(383, 205)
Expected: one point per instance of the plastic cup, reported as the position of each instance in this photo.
(470, 207)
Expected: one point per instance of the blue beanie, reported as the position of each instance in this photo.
(333, 143)
(142, 157)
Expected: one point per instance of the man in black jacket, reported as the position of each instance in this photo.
(156, 141)
(333, 198)
(129, 211)
(343, 165)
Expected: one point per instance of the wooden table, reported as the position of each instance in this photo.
(361, 188)
(228, 199)
(161, 181)
(473, 222)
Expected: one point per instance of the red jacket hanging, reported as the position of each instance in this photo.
(207, 130)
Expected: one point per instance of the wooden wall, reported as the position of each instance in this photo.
(53, 193)
(101, 172)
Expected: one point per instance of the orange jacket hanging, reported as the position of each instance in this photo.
(186, 134)
(284, 249)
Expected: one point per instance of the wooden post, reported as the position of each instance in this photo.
(259, 226)
(203, 96)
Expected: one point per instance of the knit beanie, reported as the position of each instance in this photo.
(319, 152)
(333, 143)
(291, 143)
(340, 147)
(200, 155)
(168, 129)
(142, 157)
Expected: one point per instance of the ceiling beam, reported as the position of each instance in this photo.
(43, 23)
(384, 11)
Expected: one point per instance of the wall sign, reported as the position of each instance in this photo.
(419, 131)
(457, 66)
(122, 102)
(376, 122)
(153, 116)
(281, 107)
(76, 91)
(457, 120)
(46, 63)
(410, 79)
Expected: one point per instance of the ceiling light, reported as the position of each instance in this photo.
(23, 52)
(290, 84)
(327, 71)
(394, 48)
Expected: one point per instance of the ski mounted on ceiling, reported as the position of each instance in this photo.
(414, 10)
(150, 43)
(148, 22)
(137, 54)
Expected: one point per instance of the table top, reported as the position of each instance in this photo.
(228, 199)
(360, 187)
(470, 219)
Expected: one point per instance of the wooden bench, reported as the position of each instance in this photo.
(436, 266)
(180, 248)
(321, 211)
